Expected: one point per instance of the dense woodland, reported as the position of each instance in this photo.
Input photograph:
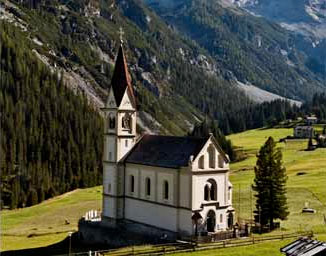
(316, 106)
(51, 140)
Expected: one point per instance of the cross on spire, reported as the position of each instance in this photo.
(121, 33)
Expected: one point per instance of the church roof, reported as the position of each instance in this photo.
(121, 78)
(165, 151)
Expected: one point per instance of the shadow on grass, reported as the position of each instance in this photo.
(60, 248)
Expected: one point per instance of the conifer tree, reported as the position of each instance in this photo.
(269, 185)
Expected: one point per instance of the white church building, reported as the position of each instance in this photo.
(174, 184)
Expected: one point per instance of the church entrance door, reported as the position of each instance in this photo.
(211, 221)
(230, 220)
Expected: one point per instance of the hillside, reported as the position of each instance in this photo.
(305, 18)
(45, 223)
(305, 185)
(308, 187)
(81, 41)
(247, 48)
(57, 58)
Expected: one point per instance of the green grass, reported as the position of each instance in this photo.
(44, 224)
(266, 249)
(304, 189)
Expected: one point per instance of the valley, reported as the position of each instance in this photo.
(30, 227)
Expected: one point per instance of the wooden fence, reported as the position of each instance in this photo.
(183, 246)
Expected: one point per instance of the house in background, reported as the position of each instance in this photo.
(305, 247)
(155, 184)
(310, 120)
(303, 132)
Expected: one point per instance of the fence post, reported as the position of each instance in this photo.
(253, 239)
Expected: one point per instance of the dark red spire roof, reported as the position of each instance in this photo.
(121, 79)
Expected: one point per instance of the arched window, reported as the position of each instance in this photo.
(126, 121)
(211, 156)
(132, 183)
(148, 186)
(212, 189)
(201, 162)
(111, 121)
(220, 161)
(213, 193)
(166, 190)
(206, 193)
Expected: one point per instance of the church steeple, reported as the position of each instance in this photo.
(121, 79)
(119, 136)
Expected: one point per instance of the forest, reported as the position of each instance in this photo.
(51, 140)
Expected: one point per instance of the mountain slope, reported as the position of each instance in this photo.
(80, 41)
(250, 48)
(305, 18)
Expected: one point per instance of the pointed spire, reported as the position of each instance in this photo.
(121, 78)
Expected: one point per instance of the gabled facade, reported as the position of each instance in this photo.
(160, 182)
(303, 132)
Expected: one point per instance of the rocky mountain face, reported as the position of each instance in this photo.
(305, 18)
(249, 49)
(194, 58)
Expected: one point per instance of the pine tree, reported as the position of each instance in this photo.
(269, 183)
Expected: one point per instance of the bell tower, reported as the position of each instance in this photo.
(119, 138)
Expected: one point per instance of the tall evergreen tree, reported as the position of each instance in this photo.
(270, 185)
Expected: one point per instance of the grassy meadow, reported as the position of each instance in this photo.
(306, 185)
(45, 223)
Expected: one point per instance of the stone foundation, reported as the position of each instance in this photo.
(122, 233)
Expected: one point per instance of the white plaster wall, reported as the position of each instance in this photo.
(110, 102)
(124, 148)
(198, 185)
(144, 174)
(157, 177)
(185, 222)
(219, 159)
(185, 190)
(135, 172)
(126, 102)
(169, 177)
(110, 146)
(110, 177)
(152, 214)
(109, 207)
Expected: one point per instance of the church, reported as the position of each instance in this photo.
(160, 184)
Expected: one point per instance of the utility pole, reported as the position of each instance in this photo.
(239, 204)
(0, 173)
(250, 204)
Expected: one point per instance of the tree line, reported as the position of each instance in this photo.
(51, 140)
